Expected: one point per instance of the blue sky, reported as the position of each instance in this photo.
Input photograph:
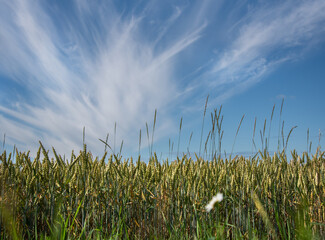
(65, 65)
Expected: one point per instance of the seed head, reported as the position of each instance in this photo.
(217, 198)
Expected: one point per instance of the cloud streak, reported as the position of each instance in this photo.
(95, 64)
(92, 76)
(263, 39)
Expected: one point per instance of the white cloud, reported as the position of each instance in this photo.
(267, 37)
(93, 74)
(95, 65)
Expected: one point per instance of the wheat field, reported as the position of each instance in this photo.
(265, 196)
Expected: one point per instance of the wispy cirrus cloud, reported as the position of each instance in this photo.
(267, 36)
(92, 64)
(91, 69)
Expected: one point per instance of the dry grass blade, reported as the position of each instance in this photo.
(205, 108)
(233, 145)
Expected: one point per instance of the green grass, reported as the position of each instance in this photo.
(276, 196)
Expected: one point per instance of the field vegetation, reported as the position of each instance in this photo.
(265, 196)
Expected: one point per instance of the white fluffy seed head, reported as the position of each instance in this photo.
(217, 198)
